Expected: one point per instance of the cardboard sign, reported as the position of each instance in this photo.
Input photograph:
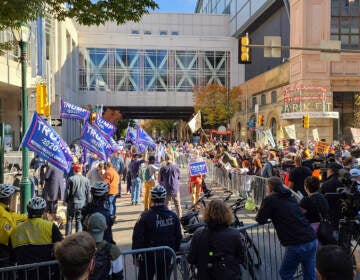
(198, 168)
(322, 148)
(316, 134)
(291, 131)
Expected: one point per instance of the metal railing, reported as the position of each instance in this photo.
(238, 183)
(138, 264)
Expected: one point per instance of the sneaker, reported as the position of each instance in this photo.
(133, 203)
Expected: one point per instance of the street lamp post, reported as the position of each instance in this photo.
(22, 36)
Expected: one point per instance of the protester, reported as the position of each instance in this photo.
(100, 203)
(315, 206)
(293, 230)
(134, 167)
(268, 168)
(118, 164)
(217, 250)
(54, 185)
(8, 221)
(298, 175)
(76, 256)
(196, 180)
(111, 177)
(149, 180)
(257, 163)
(32, 241)
(77, 195)
(95, 174)
(333, 263)
(108, 259)
(157, 227)
(169, 176)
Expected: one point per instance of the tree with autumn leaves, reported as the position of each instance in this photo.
(217, 106)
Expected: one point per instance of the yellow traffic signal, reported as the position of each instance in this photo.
(42, 105)
(260, 120)
(306, 121)
(92, 117)
(244, 52)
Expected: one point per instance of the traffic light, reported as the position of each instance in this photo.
(306, 121)
(261, 120)
(93, 117)
(244, 49)
(42, 105)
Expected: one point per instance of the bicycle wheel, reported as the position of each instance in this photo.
(252, 249)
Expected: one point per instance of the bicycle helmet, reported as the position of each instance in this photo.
(158, 193)
(6, 190)
(37, 203)
(100, 188)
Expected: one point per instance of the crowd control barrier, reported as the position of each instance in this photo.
(158, 261)
(243, 185)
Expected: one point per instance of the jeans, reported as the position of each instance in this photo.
(296, 254)
(112, 204)
(73, 211)
(135, 189)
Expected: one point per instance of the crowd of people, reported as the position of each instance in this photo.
(92, 187)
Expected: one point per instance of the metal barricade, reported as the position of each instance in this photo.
(35, 271)
(147, 262)
(241, 184)
(157, 261)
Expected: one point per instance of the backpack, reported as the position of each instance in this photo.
(145, 174)
(102, 263)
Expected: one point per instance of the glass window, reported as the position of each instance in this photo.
(147, 32)
(175, 33)
(253, 103)
(263, 99)
(273, 97)
(335, 25)
(163, 32)
(135, 32)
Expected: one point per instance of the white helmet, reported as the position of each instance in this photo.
(100, 188)
(158, 193)
(37, 203)
(6, 190)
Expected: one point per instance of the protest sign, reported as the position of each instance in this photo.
(198, 168)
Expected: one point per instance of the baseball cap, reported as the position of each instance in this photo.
(97, 226)
(355, 172)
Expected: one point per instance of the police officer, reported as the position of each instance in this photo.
(157, 227)
(33, 240)
(8, 220)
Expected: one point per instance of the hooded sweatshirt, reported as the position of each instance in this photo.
(290, 224)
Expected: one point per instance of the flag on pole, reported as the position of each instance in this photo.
(42, 139)
(195, 122)
(143, 138)
(130, 135)
(71, 111)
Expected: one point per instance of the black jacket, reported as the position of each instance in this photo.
(217, 252)
(331, 185)
(157, 227)
(291, 225)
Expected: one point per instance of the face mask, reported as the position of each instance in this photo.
(102, 171)
(355, 165)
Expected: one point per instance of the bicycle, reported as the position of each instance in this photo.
(253, 259)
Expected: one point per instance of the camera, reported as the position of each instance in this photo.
(349, 195)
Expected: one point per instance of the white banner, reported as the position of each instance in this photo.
(291, 131)
(270, 138)
(316, 134)
(356, 134)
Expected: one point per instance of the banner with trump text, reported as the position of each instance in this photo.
(43, 140)
(92, 139)
(106, 128)
(71, 111)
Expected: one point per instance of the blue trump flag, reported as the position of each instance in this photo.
(106, 128)
(93, 140)
(71, 111)
(130, 135)
(115, 146)
(42, 139)
(143, 138)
